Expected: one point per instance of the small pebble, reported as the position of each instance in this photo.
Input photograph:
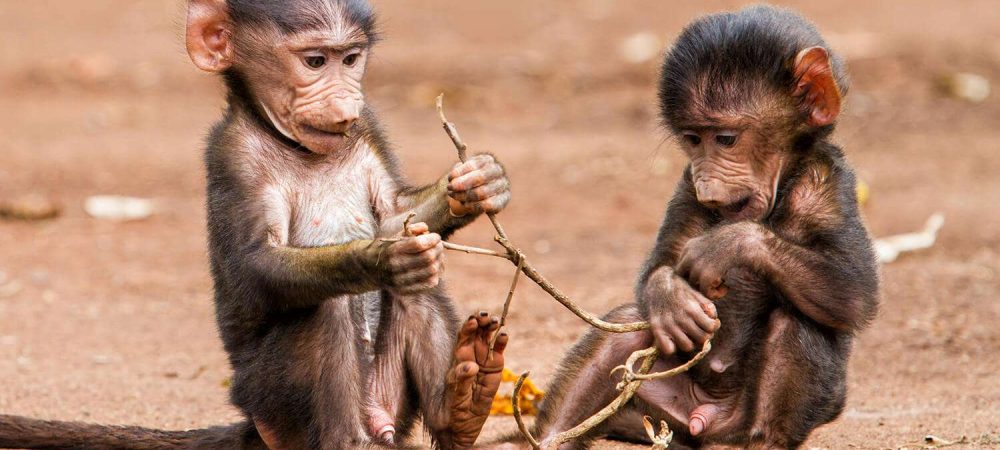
(966, 86)
(102, 360)
(29, 207)
(92, 69)
(10, 289)
(641, 47)
(542, 246)
(118, 208)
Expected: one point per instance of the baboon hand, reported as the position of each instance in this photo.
(478, 185)
(705, 260)
(415, 262)
(681, 318)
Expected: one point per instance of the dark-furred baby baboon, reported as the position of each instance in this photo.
(763, 235)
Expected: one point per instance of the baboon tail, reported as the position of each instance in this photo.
(23, 432)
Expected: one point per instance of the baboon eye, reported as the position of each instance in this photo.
(725, 140)
(351, 59)
(692, 138)
(315, 61)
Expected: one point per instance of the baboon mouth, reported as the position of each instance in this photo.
(309, 129)
(734, 209)
(319, 141)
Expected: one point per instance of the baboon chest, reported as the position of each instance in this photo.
(331, 209)
(336, 203)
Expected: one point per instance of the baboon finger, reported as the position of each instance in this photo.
(501, 343)
(416, 229)
(680, 338)
(467, 333)
(664, 343)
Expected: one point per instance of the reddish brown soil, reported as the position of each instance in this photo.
(114, 322)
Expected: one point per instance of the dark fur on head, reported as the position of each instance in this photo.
(297, 15)
(726, 62)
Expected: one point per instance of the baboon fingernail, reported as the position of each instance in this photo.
(483, 313)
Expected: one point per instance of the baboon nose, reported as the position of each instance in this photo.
(341, 114)
(710, 198)
(345, 125)
(341, 124)
(711, 194)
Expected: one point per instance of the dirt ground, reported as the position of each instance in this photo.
(113, 322)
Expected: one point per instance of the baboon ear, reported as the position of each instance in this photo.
(208, 33)
(815, 86)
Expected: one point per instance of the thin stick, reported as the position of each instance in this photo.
(461, 147)
(473, 250)
(560, 297)
(513, 286)
(515, 403)
(529, 271)
(506, 305)
(460, 248)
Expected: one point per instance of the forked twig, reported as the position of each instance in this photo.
(632, 378)
(529, 271)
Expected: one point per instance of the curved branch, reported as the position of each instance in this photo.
(515, 403)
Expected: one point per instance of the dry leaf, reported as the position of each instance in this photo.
(530, 396)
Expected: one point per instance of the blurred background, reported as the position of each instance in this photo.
(112, 321)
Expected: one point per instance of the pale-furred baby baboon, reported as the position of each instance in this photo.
(338, 336)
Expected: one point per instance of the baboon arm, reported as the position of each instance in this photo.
(430, 204)
(834, 288)
(304, 277)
